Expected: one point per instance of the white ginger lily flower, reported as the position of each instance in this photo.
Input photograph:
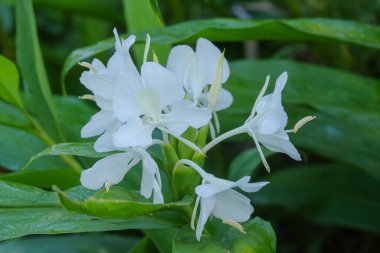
(196, 70)
(152, 100)
(112, 169)
(101, 80)
(266, 124)
(216, 196)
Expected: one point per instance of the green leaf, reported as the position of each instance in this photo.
(346, 106)
(81, 243)
(63, 178)
(137, 23)
(163, 238)
(246, 163)
(317, 29)
(9, 82)
(330, 194)
(73, 113)
(12, 117)
(259, 237)
(17, 148)
(85, 149)
(119, 202)
(26, 210)
(142, 246)
(35, 81)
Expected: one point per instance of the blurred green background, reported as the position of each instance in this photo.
(328, 203)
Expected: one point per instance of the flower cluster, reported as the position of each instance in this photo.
(186, 93)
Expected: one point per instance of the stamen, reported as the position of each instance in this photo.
(302, 122)
(234, 224)
(88, 65)
(108, 185)
(87, 97)
(147, 45)
(224, 136)
(194, 213)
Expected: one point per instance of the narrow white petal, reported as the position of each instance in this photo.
(133, 134)
(279, 142)
(163, 82)
(207, 57)
(207, 204)
(99, 122)
(232, 205)
(111, 170)
(280, 83)
(105, 143)
(179, 59)
(125, 99)
(224, 100)
(183, 115)
(252, 187)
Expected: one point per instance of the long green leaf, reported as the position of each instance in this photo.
(26, 210)
(329, 194)
(12, 117)
(81, 243)
(137, 23)
(346, 106)
(259, 237)
(328, 30)
(35, 81)
(9, 82)
(117, 203)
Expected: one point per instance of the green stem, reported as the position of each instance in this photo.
(69, 160)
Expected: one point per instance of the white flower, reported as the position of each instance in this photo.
(217, 197)
(101, 80)
(266, 124)
(112, 169)
(196, 70)
(152, 100)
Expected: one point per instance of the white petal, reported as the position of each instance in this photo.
(279, 142)
(207, 204)
(178, 61)
(99, 84)
(252, 187)
(111, 169)
(163, 82)
(133, 134)
(208, 190)
(99, 122)
(232, 205)
(183, 115)
(125, 100)
(104, 104)
(207, 57)
(121, 59)
(280, 83)
(224, 100)
(272, 116)
(105, 143)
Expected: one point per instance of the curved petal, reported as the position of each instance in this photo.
(279, 142)
(121, 59)
(125, 99)
(110, 170)
(99, 122)
(183, 115)
(224, 100)
(252, 187)
(149, 182)
(133, 134)
(232, 205)
(280, 83)
(104, 104)
(207, 57)
(271, 115)
(105, 143)
(207, 204)
(161, 80)
(100, 85)
(178, 61)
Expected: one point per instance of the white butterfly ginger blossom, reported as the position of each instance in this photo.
(196, 70)
(152, 100)
(112, 169)
(266, 124)
(216, 196)
(101, 80)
